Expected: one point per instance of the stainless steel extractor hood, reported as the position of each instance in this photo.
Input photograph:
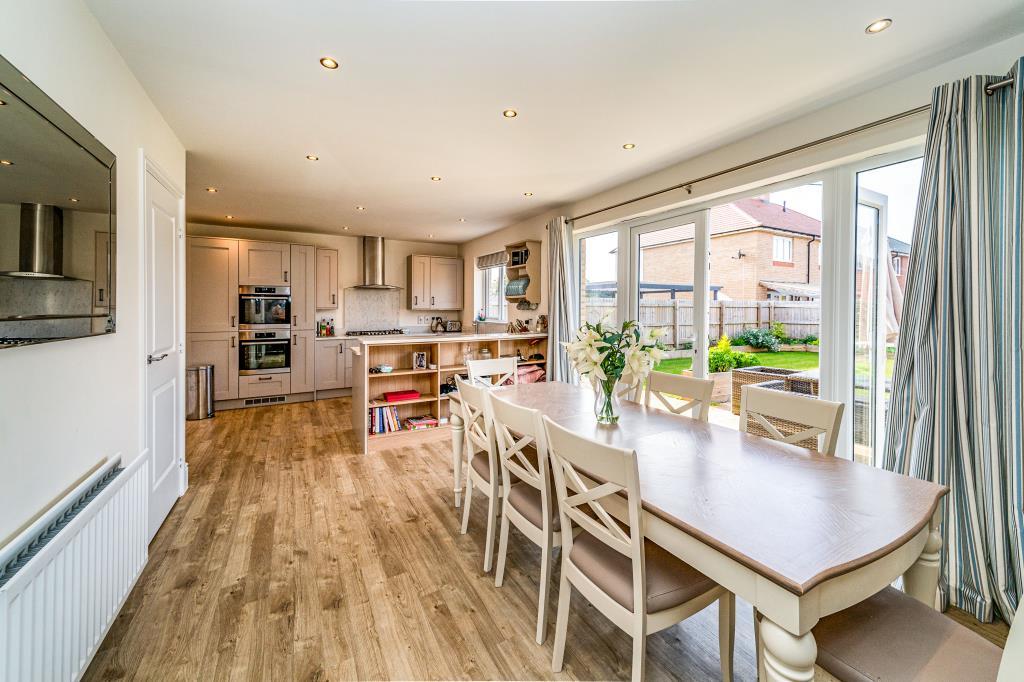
(373, 264)
(41, 242)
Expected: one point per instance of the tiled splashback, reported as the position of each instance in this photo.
(372, 308)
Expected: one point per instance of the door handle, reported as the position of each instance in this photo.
(101, 294)
(285, 275)
(295, 320)
(264, 378)
(333, 302)
(155, 358)
(232, 320)
(431, 300)
(295, 340)
(232, 342)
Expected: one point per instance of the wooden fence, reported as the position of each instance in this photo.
(798, 318)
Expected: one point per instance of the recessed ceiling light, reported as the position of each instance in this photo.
(878, 26)
(312, 157)
(435, 178)
(5, 162)
(360, 208)
(462, 220)
(211, 190)
(230, 217)
(74, 200)
(510, 113)
(430, 236)
(527, 194)
(345, 227)
(629, 145)
(328, 63)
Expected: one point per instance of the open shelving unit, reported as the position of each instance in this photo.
(448, 356)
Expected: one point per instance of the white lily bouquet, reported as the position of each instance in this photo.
(610, 357)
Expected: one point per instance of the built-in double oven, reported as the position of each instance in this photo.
(264, 332)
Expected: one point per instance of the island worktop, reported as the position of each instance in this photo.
(422, 364)
(404, 339)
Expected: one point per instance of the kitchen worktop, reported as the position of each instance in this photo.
(400, 339)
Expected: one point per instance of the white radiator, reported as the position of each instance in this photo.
(65, 578)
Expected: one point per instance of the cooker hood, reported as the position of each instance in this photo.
(41, 242)
(373, 265)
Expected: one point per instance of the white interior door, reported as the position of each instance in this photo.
(163, 338)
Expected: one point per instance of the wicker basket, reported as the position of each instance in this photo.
(802, 382)
(786, 428)
(753, 375)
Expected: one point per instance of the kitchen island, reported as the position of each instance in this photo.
(446, 356)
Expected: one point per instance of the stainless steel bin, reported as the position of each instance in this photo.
(199, 392)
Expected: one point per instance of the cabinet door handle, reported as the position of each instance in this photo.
(295, 320)
(295, 341)
(101, 294)
(264, 378)
(232, 320)
(431, 300)
(232, 342)
(333, 302)
(341, 349)
(285, 275)
(415, 300)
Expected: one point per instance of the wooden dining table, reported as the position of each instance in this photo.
(798, 534)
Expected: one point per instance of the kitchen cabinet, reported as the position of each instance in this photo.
(219, 349)
(104, 255)
(435, 283)
(260, 385)
(303, 277)
(446, 283)
(211, 284)
(264, 263)
(326, 279)
(302, 361)
(331, 358)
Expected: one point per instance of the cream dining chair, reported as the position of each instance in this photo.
(483, 472)
(809, 420)
(493, 372)
(820, 418)
(529, 505)
(695, 392)
(636, 584)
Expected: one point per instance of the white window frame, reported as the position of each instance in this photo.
(782, 249)
(483, 294)
(897, 263)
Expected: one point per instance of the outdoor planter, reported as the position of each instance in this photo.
(723, 385)
(753, 375)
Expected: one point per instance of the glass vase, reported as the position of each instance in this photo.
(606, 401)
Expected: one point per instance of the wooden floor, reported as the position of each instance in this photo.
(291, 557)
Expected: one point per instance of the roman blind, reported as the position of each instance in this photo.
(491, 260)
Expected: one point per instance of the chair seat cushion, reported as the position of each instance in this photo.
(670, 582)
(892, 636)
(526, 500)
(481, 465)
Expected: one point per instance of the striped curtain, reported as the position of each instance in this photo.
(562, 322)
(957, 410)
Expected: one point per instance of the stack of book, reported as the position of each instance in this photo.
(426, 421)
(384, 420)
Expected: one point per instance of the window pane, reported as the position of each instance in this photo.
(599, 271)
(665, 296)
(886, 203)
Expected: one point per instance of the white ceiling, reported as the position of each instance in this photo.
(422, 86)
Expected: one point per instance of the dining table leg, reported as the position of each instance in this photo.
(458, 441)
(921, 581)
(786, 657)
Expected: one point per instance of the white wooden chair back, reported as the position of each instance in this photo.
(821, 417)
(1012, 663)
(476, 421)
(696, 392)
(516, 428)
(630, 393)
(493, 372)
(572, 457)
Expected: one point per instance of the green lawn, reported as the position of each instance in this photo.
(799, 360)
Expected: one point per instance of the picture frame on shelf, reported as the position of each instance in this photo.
(419, 360)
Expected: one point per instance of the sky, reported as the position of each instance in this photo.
(899, 182)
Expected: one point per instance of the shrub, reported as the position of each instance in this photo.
(809, 340)
(722, 358)
(760, 338)
(778, 330)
